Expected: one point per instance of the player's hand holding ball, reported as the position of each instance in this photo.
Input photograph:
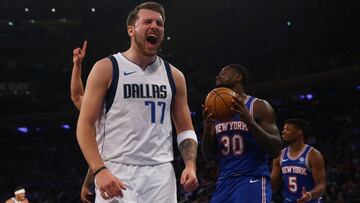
(219, 105)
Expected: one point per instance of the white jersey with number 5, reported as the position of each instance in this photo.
(135, 125)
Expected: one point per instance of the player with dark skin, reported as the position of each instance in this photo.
(242, 152)
(293, 134)
(262, 125)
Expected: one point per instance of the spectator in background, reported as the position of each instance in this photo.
(19, 196)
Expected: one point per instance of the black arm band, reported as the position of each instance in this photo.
(98, 171)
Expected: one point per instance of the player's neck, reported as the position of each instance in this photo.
(138, 58)
(240, 91)
(296, 147)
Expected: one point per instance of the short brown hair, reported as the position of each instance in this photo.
(133, 15)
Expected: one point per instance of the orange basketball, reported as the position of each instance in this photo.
(218, 101)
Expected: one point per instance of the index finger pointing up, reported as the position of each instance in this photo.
(83, 49)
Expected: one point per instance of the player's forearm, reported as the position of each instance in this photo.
(77, 88)
(188, 151)
(86, 139)
(208, 145)
(275, 185)
(318, 191)
(271, 143)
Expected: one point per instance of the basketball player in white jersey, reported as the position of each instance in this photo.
(77, 93)
(127, 106)
(19, 196)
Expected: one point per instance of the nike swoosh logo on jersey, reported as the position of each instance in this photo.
(254, 181)
(285, 160)
(128, 73)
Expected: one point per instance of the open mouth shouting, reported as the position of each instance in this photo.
(152, 39)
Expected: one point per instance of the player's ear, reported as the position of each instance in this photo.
(238, 77)
(299, 131)
(131, 30)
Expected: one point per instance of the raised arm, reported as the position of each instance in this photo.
(276, 175)
(182, 120)
(262, 124)
(97, 84)
(76, 84)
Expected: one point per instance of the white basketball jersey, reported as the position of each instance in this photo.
(135, 125)
(15, 201)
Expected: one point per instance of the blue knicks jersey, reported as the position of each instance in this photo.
(238, 151)
(296, 174)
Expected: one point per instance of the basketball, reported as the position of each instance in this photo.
(218, 101)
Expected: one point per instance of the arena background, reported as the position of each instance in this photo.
(303, 56)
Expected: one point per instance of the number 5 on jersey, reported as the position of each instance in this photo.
(153, 107)
(293, 187)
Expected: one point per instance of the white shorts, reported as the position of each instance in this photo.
(144, 184)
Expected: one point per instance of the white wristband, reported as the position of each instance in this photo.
(187, 134)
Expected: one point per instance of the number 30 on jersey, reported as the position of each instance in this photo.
(232, 145)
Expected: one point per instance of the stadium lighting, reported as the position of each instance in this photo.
(66, 126)
(309, 96)
(23, 130)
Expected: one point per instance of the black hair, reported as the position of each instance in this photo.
(242, 71)
(300, 124)
(19, 188)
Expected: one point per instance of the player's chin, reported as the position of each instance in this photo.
(219, 84)
(150, 53)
